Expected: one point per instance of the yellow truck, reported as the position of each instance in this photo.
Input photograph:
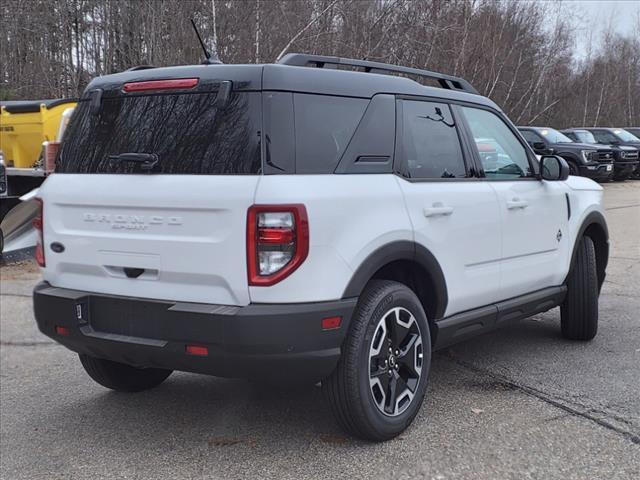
(25, 126)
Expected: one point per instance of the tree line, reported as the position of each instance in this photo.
(520, 54)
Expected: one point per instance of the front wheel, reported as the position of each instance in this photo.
(121, 377)
(380, 381)
(579, 311)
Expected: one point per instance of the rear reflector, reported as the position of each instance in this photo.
(331, 323)
(64, 331)
(174, 84)
(38, 226)
(198, 350)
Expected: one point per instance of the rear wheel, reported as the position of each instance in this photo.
(380, 381)
(121, 377)
(579, 312)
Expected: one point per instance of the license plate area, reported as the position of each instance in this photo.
(130, 318)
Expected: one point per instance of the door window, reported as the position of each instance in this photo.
(501, 153)
(430, 142)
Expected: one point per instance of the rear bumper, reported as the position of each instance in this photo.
(280, 341)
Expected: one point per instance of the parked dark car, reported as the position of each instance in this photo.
(595, 162)
(625, 157)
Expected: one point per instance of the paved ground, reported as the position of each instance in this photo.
(518, 403)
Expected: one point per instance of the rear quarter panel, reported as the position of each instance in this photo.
(350, 216)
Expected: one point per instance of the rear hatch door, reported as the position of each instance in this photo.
(151, 190)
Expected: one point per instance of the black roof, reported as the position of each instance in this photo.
(282, 77)
(30, 106)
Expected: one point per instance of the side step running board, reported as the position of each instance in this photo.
(471, 323)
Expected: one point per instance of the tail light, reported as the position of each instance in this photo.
(38, 225)
(173, 84)
(277, 242)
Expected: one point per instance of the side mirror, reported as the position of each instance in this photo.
(539, 146)
(554, 168)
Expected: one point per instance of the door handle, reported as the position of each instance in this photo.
(437, 209)
(517, 203)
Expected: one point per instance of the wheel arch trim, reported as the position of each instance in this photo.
(401, 250)
(594, 219)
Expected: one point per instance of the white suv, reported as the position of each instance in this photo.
(287, 222)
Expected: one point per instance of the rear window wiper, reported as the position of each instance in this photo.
(147, 162)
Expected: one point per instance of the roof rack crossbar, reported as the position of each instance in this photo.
(320, 61)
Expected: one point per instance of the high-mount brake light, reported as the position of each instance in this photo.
(173, 84)
(277, 242)
(38, 224)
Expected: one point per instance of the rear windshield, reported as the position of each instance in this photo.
(186, 131)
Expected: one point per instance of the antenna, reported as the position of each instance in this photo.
(209, 60)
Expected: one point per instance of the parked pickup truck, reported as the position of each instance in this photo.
(616, 136)
(27, 128)
(625, 157)
(583, 159)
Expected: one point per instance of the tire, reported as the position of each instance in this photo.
(121, 377)
(621, 177)
(573, 169)
(359, 390)
(579, 311)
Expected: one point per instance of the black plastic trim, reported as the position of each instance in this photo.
(258, 340)
(602, 256)
(401, 250)
(469, 324)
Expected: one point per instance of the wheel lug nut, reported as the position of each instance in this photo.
(397, 352)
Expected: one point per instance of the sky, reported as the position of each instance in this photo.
(595, 15)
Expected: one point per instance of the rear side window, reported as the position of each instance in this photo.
(323, 127)
(430, 143)
(186, 131)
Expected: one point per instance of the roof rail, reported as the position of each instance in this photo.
(446, 81)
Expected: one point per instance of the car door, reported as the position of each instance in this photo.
(534, 213)
(454, 214)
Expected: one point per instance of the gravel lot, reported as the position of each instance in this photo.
(517, 403)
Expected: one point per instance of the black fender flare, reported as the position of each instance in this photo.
(401, 250)
(602, 252)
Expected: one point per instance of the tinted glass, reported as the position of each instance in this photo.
(625, 136)
(583, 136)
(323, 127)
(531, 136)
(604, 136)
(430, 143)
(554, 136)
(186, 131)
(502, 155)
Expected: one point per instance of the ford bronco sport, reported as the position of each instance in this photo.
(319, 219)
